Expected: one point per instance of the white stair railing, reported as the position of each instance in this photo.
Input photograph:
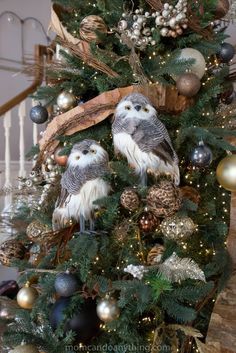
(20, 168)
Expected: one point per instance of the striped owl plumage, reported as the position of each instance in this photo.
(81, 184)
(143, 139)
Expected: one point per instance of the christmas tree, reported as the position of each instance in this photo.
(125, 248)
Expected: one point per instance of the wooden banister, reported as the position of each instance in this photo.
(40, 52)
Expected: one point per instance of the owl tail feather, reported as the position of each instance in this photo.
(59, 218)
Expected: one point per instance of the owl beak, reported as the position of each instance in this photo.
(138, 107)
(85, 152)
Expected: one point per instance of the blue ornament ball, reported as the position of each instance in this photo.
(226, 52)
(66, 284)
(201, 156)
(85, 323)
(39, 114)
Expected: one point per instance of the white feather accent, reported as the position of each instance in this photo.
(82, 204)
(143, 161)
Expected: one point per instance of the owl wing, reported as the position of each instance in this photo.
(152, 136)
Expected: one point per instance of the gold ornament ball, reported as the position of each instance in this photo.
(25, 348)
(226, 173)
(178, 228)
(61, 160)
(108, 310)
(199, 66)
(26, 297)
(66, 101)
(89, 26)
(188, 85)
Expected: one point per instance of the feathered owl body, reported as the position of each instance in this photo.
(143, 139)
(82, 184)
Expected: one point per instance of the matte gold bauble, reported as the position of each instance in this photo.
(89, 26)
(61, 160)
(108, 310)
(188, 84)
(199, 65)
(26, 297)
(226, 173)
(25, 348)
(222, 8)
(66, 101)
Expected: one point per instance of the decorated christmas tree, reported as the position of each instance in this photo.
(125, 248)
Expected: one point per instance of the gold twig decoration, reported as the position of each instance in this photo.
(155, 4)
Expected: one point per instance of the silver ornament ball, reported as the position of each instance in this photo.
(108, 310)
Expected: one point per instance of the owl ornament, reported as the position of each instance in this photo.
(142, 138)
(81, 185)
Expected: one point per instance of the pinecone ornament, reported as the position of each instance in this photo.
(10, 250)
(155, 255)
(130, 199)
(164, 199)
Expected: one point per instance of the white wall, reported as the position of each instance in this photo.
(10, 47)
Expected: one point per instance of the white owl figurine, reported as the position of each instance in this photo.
(142, 138)
(81, 184)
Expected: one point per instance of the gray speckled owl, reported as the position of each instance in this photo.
(82, 184)
(142, 138)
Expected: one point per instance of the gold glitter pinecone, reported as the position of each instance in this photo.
(164, 199)
(130, 199)
(10, 250)
(155, 255)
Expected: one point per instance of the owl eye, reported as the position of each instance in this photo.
(77, 157)
(127, 107)
(146, 110)
(93, 151)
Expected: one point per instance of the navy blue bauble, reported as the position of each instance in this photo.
(85, 322)
(39, 114)
(201, 156)
(226, 52)
(66, 284)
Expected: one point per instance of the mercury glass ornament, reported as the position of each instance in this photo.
(177, 228)
(90, 26)
(8, 308)
(66, 284)
(39, 114)
(108, 310)
(61, 160)
(201, 156)
(226, 173)
(66, 101)
(188, 84)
